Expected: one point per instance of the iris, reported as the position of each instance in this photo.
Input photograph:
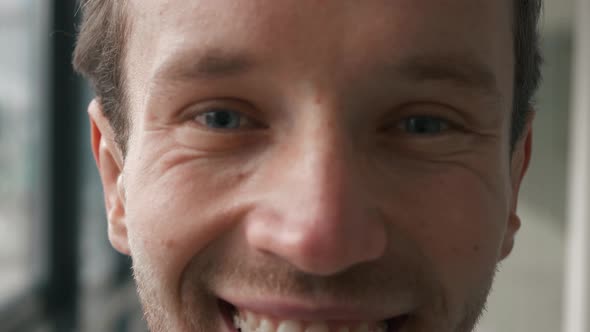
(223, 119)
(425, 125)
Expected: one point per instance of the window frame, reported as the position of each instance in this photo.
(52, 298)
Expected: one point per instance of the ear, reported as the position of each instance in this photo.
(109, 160)
(519, 164)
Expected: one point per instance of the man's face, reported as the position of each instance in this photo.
(315, 164)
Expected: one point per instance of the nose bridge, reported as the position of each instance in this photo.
(322, 221)
(320, 162)
(323, 169)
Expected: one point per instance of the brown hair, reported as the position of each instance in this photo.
(104, 28)
(99, 55)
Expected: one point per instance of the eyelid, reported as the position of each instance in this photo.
(399, 127)
(448, 125)
(399, 120)
(450, 115)
(239, 107)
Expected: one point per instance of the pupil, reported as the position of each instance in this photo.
(423, 125)
(222, 119)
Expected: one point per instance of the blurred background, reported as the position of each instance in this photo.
(57, 269)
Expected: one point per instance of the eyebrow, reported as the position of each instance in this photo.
(460, 70)
(463, 71)
(204, 65)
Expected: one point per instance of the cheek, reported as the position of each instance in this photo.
(457, 218)
(464, 218)
(177, 206)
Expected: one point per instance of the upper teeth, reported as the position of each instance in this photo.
(247, 321)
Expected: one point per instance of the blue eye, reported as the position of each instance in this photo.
(221, 119)
(424, 125)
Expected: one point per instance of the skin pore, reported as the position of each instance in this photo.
(317, 161)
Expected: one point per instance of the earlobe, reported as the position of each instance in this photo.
(514, 224)
(109, 161)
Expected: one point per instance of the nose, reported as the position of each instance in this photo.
(316, 213)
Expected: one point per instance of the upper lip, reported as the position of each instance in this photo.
(298, 309)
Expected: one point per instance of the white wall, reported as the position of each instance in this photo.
(528, 292)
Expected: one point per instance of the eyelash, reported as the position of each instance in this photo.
(451, 118)
(438, 124)
(400, 125)
(199, 115)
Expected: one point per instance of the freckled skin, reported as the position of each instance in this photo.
(322, 197)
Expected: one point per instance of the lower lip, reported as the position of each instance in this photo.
(226, 309)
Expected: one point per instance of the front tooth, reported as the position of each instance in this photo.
(251, 321)
(247, 321)
(238, 320)
(289, 326)
(265, 326)
(317, 327)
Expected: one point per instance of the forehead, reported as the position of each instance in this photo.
(272, 13)
(239, 11)
(337, 33)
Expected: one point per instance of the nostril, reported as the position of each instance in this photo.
(397, 323)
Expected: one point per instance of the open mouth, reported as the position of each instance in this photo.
(245, 321)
